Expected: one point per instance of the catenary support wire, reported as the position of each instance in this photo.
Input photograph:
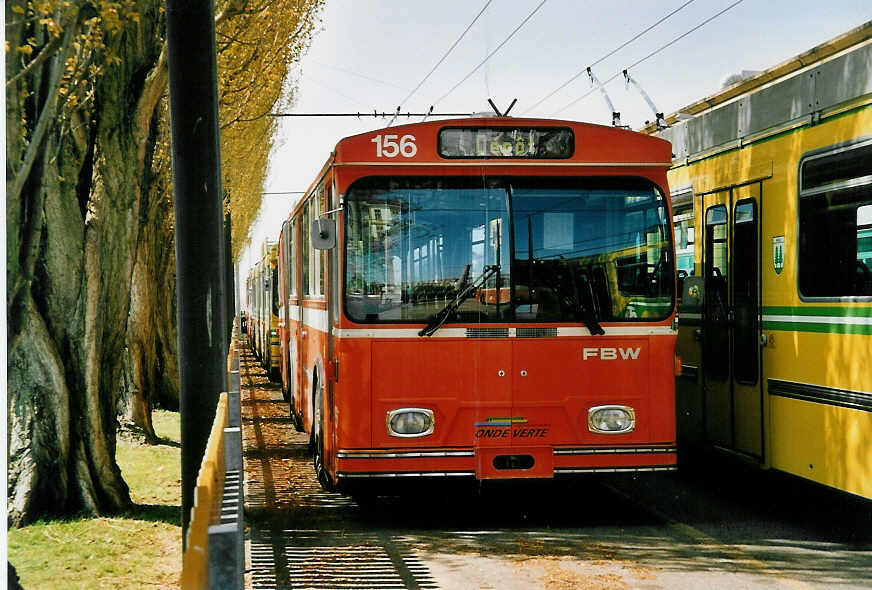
(450, 49)
(492, 53)
(375, 114)
(653, 53)
(607, 55)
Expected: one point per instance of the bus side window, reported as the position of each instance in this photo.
(864, 249)
(292, 258)
(321, 255)
(305, 249)
(835, 223)
(684, 245)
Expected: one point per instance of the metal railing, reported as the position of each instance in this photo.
(215, 542)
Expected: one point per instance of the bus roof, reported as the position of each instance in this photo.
(425, 143)
(592, 146)
(810, 58)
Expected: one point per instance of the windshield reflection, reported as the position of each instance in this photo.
(565, 250)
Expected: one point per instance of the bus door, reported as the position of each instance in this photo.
(300, 273)
(314, 315)
(294, 319)
(731, 374)
(688, 402)
(309, 313)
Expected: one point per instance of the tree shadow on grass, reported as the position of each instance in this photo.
(134, 434)
(166, 513)
(167, 442)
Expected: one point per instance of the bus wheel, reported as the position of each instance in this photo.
(318, 455)
(296, 419)
(285, 395)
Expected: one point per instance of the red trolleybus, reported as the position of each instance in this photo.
(483, 298)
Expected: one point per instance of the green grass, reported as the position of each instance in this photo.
(141, 549)
(153, 472)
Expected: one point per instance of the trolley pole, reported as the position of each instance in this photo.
(200, 269)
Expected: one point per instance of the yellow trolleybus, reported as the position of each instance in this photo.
(264, 313)
(772, 193)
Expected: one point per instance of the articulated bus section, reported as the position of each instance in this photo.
(773, 210)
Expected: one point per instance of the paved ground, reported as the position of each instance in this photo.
(729, 528)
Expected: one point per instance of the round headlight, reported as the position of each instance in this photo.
(410, 422)
(611, 419)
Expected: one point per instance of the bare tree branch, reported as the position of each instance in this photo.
(43, 55)
(155, 87)
(46, 117)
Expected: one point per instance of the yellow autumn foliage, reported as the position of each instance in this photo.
(257, 43)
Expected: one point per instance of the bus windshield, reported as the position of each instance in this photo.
(556, 250)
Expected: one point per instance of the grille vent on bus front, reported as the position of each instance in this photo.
(487, 332)
(536, 332)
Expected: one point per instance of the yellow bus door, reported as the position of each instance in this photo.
(732, 393)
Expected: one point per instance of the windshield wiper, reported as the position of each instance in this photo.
(465, 293)
(588, 314)
(570, 297)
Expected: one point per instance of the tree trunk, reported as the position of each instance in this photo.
(151, 331)
(62, 432)
(76, 225)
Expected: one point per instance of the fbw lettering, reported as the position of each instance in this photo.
(611, 354)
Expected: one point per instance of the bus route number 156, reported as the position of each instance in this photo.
(391, 146)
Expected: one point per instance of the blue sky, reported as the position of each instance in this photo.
(371, 53)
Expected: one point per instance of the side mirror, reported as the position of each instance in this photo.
(323, 233)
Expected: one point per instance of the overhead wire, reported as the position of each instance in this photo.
(374, 113)
(492, 53)
(650, 55)
(350, 99)
(450, 49)
(608, 55)
(359, 75)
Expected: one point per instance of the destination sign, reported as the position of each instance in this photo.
(537, 143)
